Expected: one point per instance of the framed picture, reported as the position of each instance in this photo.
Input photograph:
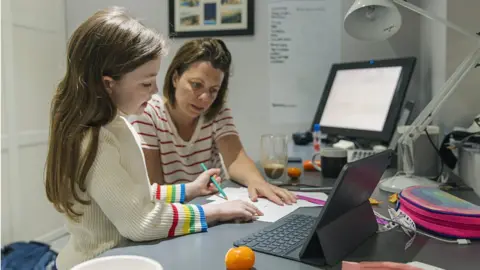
(203, 18)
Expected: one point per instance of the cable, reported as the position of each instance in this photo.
(457, 241)
(464, 140)
(442, 163)
(438, 153)
(478, 65)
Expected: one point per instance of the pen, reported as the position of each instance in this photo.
(212, 178)
(312, 200)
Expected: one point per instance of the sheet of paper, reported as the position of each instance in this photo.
(243, 193)
(271, 211)
(304, 41)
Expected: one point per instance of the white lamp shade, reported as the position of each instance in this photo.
(372, 20)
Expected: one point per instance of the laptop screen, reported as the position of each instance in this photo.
(355, 185)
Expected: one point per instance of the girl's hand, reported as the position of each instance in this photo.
(202, 186)
(237, 210)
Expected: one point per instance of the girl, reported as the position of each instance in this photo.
(191, 123)
(96, 172)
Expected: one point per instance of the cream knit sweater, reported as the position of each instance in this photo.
(123, 203)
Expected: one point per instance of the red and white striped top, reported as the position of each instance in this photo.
(181, 159)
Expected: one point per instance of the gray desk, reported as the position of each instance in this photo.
(207, 250)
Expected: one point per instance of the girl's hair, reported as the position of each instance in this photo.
(206, 49)
(109, 43)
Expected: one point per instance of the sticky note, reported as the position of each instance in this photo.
(393, 198)
(373, 201)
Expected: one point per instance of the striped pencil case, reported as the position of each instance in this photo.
(440, 212)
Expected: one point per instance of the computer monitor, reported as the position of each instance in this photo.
(363, 100)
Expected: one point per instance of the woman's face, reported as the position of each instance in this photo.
(197, 88)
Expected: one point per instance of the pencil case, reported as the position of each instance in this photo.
(438, 211)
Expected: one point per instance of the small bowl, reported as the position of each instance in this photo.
(123, 262)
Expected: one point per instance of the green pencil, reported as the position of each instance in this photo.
(212, 178)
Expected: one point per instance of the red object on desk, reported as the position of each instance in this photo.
(308, 166)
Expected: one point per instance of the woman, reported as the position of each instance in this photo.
(191, 124)
(95, 172)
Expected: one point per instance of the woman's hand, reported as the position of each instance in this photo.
(202, 186)
(273, 193)
(237, 210)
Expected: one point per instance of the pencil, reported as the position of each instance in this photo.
(212, 178)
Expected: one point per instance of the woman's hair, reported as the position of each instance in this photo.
(206, 49)
(109, 43)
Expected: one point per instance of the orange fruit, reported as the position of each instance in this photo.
(294, 172)
(307, 165)
(239, 258)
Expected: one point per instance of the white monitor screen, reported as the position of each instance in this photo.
(360, 98)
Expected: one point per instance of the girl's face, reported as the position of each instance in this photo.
(132, 92)
(197, 88)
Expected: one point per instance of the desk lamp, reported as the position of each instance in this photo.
(374, 20)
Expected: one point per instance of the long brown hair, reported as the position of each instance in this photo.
(109, 43)
(205, 49)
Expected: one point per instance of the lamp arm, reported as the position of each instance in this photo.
(420, 123)
(437, 18)
(429, 112)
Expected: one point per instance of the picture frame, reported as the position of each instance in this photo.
(207, 18)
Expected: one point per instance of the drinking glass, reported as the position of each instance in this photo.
(274, 157)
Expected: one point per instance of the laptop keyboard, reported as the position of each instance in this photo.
(280, 240)
(357, 154)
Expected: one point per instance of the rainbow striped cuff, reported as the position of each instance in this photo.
(169, 193)
(187, 218)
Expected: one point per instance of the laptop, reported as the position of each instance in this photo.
(325, 235)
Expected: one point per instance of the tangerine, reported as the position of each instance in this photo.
(294, 172)
(240, 258)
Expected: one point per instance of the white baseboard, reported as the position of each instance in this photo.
(50, 237)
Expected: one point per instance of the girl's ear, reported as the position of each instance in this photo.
(108, 83)
(175, 78)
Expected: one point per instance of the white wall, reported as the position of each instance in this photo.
(464, 104)
(249, 94)
(442, 50)
(33, 46)
(249, 83)
(433, 46)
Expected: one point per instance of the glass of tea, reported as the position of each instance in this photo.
(274, 157)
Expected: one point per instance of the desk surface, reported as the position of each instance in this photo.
(207, 250)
